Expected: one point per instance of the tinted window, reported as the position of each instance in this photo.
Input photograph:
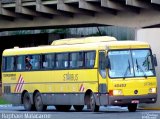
(89, 59)
(20, 62)
(32, 62)
(9, 63)
(76, 60)
(102, 62)
(62, 60)
(48, 61)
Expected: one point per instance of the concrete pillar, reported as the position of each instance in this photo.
(152, 36)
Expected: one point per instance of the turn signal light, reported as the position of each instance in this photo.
(110, 92)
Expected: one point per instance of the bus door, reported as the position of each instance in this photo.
(103, 83)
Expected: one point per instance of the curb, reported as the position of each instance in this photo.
(6, 105)
(148, 108)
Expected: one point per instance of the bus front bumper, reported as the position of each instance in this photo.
(125, 100)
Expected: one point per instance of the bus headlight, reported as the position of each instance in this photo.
(152, 90)
(117, 92)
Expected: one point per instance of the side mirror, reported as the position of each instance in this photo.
(108, 63)
(155, 60)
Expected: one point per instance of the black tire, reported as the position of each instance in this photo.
(28, 106)
(39, 103)
(92, 103)
(132, 107)
(63, 107)
(78, 108)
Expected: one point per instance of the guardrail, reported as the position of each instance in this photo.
(13, 1)
(8, 1)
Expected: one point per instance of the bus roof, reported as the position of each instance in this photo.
(101, 45)
(83, 40)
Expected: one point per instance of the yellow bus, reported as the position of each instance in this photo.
(91, 71)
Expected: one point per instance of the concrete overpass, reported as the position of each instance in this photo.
(35, 14)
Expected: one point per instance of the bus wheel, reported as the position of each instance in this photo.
(28, 106)
(63, 107)
(78, 108)
(39, 103)
(132, 107)
(92, 103)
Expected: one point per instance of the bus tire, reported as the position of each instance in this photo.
(28, 106)
(132, 107)
(39, 103)
(78, 108)
(92, 103)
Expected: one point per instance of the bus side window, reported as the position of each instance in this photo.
(10, 63)
(74, 60)
(35, 61)
(80, 62)
(62, 60)
(44, 62)
(28, 65)
(65, 60)
(48, 61)
(89, 59)
(59, 61)
(102, 62)
(20, 63)
(32, 62)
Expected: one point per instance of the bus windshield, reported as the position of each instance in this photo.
(130, 63)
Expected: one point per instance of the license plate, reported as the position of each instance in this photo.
(135, 101)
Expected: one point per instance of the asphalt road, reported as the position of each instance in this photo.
(18, 112)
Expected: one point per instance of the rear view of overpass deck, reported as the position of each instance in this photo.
(27, 14)
(37, 14)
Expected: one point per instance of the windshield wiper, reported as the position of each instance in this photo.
(139, 67)
(126, 71)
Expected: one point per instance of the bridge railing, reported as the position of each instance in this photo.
(13, 1)
(8, 1)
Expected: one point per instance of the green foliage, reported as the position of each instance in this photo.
(2, 101)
